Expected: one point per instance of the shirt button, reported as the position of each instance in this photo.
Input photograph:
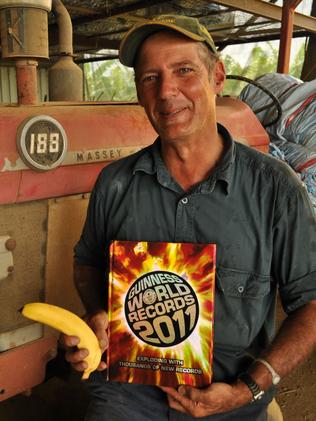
(240, 289)
(185, 200)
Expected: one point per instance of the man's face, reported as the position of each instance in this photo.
(175, 86)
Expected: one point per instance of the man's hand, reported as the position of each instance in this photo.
(215, 399)
(98, 323)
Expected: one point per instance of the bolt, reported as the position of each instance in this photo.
(10, 244)
(10, 269)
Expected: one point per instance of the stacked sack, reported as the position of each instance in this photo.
(293, 136)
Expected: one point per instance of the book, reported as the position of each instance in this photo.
(161, 313)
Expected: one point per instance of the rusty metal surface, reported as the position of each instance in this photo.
(20, 370)
(41, 4)
(240, 120)
(26, 223)
(24, 32)
(26, 79)
(65, 221)
(64, 28)
(288, 12)
(88, 127)
(65, 77)
(6, 257)
(20, 336)
(65, 81)
(97, 134)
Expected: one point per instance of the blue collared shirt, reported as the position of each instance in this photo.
(252, 206)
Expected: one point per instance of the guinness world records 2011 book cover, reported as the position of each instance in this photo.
(161, 313)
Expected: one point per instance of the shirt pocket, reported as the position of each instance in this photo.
(241, 306)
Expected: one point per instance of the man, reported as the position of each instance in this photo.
(194, 184)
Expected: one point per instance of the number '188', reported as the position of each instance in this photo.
(41, 143)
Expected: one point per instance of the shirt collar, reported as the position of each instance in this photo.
(145, 162)
(224, 170)
(151, 162)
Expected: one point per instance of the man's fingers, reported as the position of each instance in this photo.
(181, 401)
(77, 356)
(174, 404)
(104, 343)
(80, 366)
(102, 366)
(171, 391)
(172, 398)
(192, 393)
(101, 320)
(99, 323)
(178, 400)
(68, 341)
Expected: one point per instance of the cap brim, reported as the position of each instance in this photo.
(136, 36)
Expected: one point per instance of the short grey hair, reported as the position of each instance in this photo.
(207, 56)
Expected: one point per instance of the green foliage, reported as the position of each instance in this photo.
(109, 81)
(260, 62)
(297, 64)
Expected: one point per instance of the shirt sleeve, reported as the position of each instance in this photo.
(294, 256)
(91, 248)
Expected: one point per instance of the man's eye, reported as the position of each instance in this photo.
(149, 78)
(185, 70)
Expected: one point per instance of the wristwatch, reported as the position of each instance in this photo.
(257, 393)
(275, 376)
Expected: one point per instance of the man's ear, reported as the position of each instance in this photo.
(219, 76)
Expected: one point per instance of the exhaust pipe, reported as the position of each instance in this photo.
(65, 76)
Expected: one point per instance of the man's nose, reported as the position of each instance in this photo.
(167, 87)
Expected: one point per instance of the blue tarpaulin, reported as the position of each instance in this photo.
(293, 136)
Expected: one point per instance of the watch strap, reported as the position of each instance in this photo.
(275, 376)
(255, 389)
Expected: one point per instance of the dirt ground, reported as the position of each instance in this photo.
(66, 400)
(297, 392)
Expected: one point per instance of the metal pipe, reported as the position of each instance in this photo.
(36, 4)
(64, 28)
(288, 11)
(26, 77)
(65, 76)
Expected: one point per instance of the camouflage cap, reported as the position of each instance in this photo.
(189, 27)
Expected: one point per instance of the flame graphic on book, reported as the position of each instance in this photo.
(161, 308)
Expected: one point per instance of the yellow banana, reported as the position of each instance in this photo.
(68, 323)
